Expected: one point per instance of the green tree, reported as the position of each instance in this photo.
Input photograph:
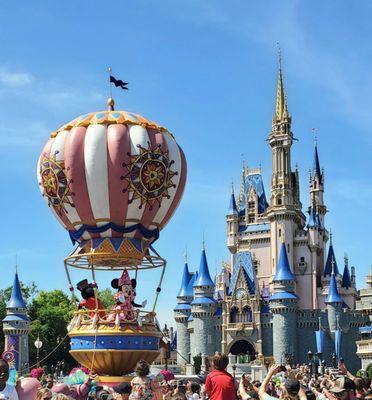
(50, 312)
(107, 298)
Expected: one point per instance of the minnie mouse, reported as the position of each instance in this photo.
(125, 297)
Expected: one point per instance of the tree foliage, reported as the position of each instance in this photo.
(107, 298)
(50, 312)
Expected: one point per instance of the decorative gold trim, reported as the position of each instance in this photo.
(124, 118)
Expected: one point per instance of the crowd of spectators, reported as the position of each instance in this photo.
(282, 382)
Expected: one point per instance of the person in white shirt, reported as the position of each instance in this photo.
(7, 392)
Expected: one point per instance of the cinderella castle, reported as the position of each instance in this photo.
(283, 292)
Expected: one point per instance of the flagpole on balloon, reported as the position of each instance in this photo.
(110, 101)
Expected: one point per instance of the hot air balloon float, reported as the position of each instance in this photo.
(113, 180)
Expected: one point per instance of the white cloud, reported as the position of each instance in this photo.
(15, 79)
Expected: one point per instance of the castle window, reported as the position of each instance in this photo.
(280, 233)
(250, 218)
(288, 248)
(234, 315)
(302, 259)
(279, 201)
(251, 206)
(247, 314)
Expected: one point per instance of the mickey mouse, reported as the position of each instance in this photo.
(125, 296)
(89, 302)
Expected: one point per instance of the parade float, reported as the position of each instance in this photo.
(113, 180)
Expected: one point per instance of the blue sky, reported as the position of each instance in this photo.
(207, 71)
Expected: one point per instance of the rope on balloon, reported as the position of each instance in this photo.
(158, 289)
(43, 359)
(95, 316)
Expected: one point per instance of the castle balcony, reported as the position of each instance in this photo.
(364, 348)
(240, 326)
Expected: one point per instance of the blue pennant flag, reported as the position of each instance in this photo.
(319, 337)
(119, 83)
(338, 343)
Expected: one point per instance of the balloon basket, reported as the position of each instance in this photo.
(111, 347)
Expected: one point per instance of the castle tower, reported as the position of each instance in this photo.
(316, 226)
(283, 305)
(284, 213)
(232, 224)
(181, 314)
(333, 301)
(16, 327)
(203, 308)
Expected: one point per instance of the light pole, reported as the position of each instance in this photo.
(167, 341)
(38, 345)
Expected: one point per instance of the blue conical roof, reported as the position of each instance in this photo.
(204, 277)
(346, 280)
(233, 209)
(312, 222)
(185, 281)
(283, 270)
(316, 169)
(16, 298)
(190, 286)
(333, 295)
(328, 266)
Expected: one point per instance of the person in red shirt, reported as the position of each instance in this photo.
(220, 385)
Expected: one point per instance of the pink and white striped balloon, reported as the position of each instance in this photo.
(112, 174)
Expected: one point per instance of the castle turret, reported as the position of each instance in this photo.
(232, 224)
(333, 301)
(16, 327)
(283, 305)
(181, 314)
(203, 308)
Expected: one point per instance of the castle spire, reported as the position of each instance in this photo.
(331, 263)
(16, 298)
(204, 277)
(281, 110)
(316, 167)
(333, 295)
(346, 280)
(283, 271)
(233, 210)
(185, 281)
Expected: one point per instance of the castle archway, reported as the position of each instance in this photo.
(243, 348)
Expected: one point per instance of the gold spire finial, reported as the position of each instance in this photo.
(203, 242)
(281, 102)
(346, 259)
(185, 255)
(330, 237)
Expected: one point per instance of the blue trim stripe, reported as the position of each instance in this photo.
(147, 233)
(130, 342)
